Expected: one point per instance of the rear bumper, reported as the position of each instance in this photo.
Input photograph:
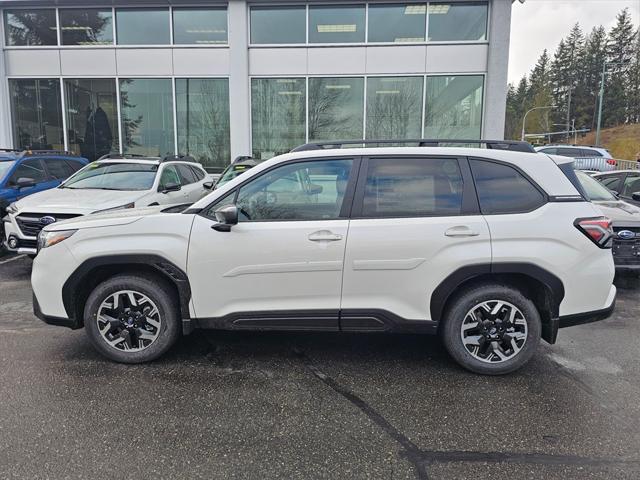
(588, 317)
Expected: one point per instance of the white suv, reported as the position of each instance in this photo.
(491, 249)
(586, 157)
(112, 183)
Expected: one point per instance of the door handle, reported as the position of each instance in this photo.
(461, 231)
(324, 236)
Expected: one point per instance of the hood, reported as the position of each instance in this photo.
(117, 217)
(622, 213)
(80, 201)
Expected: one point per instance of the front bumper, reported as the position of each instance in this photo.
(23, 244)
(57, 321)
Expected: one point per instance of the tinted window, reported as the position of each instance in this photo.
(631, 185)
(502, 189)
(278, 25)
(336, 24)
(58, 169)
(201, 26)
(412, 187)
(169, 176)
(590, 153)
(198, 173)
(457, 21)
(550, 151)
(75, 166)
(569, 152)
(300, 191)
(186, 174)
(30, 27)
(397, 23)
(86, 26)
(29, 169)
(143, 26)
(612, 183)
(5, 167)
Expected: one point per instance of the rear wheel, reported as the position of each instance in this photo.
(491, 329)
(132, 319)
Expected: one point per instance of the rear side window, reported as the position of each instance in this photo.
(612, 183)
(569, 152)
(587, 152)
(412, 187)
(59, 169)
(549, 151)
(186, 174)
(502, 189)
(198, 173)
(74, 166)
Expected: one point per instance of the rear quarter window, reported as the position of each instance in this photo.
(502, 189)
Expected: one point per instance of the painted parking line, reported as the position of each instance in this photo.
(12, 259)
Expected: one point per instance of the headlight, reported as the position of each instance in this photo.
(121, 207)
(12, 208)
(47, 239)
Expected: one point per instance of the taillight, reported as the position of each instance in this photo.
(611, 161)
(597, 229)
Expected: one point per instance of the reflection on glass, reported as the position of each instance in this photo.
(200, 26)
(277, 115)
(397, 22)
(36, 112)
(336, 108)
(146, 107)
(336, 24)
(30, 27)
(278, 24)
(92, 116)
(144, 26)
(394, 107)
(202, 107)
(450, 22)
(454, 107)
(86, 26)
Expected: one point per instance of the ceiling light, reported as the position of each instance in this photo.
(337, 87)
(345, 28)
(415, 9)
(387, 92)
(408, 39)
(439, 9)
(205, 30)
(290, 93)
(286, 80)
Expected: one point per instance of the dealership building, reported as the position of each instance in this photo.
(248, 77)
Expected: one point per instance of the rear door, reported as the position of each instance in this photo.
(415, 221)
(191, 189)
(169, 176)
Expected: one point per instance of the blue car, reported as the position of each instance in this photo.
(23, 172)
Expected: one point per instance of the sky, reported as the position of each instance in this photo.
(540, 24)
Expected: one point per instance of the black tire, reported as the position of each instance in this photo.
(159, 292)
(462, 304)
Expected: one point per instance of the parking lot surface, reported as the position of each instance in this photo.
(280, 405)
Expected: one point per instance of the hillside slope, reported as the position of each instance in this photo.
(622, 141)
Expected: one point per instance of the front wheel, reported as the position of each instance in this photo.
(132, 319)
(491, 329)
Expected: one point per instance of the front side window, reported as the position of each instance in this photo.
(31, 169)
(394, 107)
(412, 187)
(113, 176)
(86, 26)
(397, 23)
(278, 115)
(5, 167)
(456, 22)
(300, 191)
(30, 27)
(169, 177)
(336, 23)
(336, 108)
(502, 189)
(199, 26)
(278, 25)
(612, 183)
(142, 26)
(454, 107)
(631, 185)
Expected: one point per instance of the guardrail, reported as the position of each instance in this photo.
(627, 165)
(601, 164)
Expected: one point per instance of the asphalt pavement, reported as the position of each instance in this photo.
(227, 405)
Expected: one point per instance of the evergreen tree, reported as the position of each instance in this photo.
(540, 95)
(633, 80)
(594, 57)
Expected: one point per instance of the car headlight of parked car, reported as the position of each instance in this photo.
(48, 239)
(121, 207)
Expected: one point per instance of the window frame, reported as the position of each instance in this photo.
(545, 196)
(470, 204)
(347, 202)
(5, 44)
(11, 183)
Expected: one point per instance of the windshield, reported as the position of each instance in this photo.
(5, 167)
(114, 176)
(231, 172)
(594, 189)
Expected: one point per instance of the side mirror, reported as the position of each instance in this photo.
(636, 196)
(207, 185)
(314, 189)
(25, 182)
(171, 187)
(614, 193)
(227, 216)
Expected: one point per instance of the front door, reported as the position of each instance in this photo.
(281, 265)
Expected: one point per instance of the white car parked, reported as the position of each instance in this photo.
(113, 183)
(586, 157)
(490, 248)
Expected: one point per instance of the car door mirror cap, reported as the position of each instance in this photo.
(24, 182)
(226, 216)
(171, 187)
(207, 185)
(636, 196)
(315, 189)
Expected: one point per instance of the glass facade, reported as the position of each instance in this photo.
(464, 21)
(92, 116)
(143, 26)
(397, 23)
(146, 106)
(37, 113)
(336, 108)
(30, 27)
(202, 108)
(276, 25)
(199, 26)
(454, 107)
(394, 107)
(277, 115)
(336, 23)
(86, 26)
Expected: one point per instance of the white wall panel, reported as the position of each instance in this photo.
(278, 61)
(149, 61)
(396, 59)
(456, 58)
(87, 63)
(200, 61)
(343, 60)
(32, 62)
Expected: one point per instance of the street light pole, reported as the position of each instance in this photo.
(601, 95)
(524, 119)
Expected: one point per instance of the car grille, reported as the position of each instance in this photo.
(626, 251)
(30, 224)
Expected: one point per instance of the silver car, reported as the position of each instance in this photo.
(585, 157)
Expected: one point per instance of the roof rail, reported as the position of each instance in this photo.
(116, 155)
(512, 145)
(181, 157)
(31, 152)
(10, 150)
